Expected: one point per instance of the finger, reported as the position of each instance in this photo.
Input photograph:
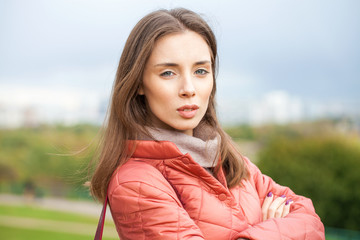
(279, 211)
(275, 205)
(286, 208)
(265, 207)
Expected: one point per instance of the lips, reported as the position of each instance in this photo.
(188, 111)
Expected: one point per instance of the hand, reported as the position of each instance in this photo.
(275, 208)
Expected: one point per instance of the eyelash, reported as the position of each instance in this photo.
(203, 71)
(167, 74)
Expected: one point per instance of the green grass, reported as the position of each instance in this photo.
(26, 234)
(33, 212)
(39, 213)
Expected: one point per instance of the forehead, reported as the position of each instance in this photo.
(178, 47)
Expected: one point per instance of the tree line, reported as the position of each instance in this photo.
(319, 160)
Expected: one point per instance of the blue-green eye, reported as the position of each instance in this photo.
(201, 72)
(167, 74)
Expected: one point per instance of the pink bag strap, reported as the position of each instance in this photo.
(100, 227)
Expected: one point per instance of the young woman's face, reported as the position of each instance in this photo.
(177, 81)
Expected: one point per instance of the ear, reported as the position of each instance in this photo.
(141, 90)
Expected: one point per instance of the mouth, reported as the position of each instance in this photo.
(188, 111)
(188, 108)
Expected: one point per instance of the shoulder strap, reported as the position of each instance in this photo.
(100, 227)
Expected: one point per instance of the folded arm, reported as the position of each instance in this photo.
(301, 223)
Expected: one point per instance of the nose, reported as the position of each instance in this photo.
(187, 88)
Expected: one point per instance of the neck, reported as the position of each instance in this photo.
(189, 132)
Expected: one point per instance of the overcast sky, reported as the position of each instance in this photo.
(65, 53)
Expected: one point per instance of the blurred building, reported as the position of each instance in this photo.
(276, 107)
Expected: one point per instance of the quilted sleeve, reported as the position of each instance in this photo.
(301, 223)
(145, 206)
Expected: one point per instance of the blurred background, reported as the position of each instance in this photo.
(288, 94)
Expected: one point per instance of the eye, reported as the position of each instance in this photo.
(201, 72)
(167, 74)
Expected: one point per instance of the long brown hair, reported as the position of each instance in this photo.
(127, 115)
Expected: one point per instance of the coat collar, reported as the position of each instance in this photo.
(163, 150)
(151, 149)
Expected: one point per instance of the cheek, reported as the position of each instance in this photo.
(206, 93)
(162, 94)
(159, 100)
(152, 90)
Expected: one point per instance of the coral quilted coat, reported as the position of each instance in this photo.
(161, 193)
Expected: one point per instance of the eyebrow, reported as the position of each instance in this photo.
(169, 64)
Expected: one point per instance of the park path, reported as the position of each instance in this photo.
(88, 208)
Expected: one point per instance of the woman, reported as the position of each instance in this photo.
(167, 168)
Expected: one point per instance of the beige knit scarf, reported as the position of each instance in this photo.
(202, 146)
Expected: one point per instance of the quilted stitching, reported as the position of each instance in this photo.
(194, 194)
